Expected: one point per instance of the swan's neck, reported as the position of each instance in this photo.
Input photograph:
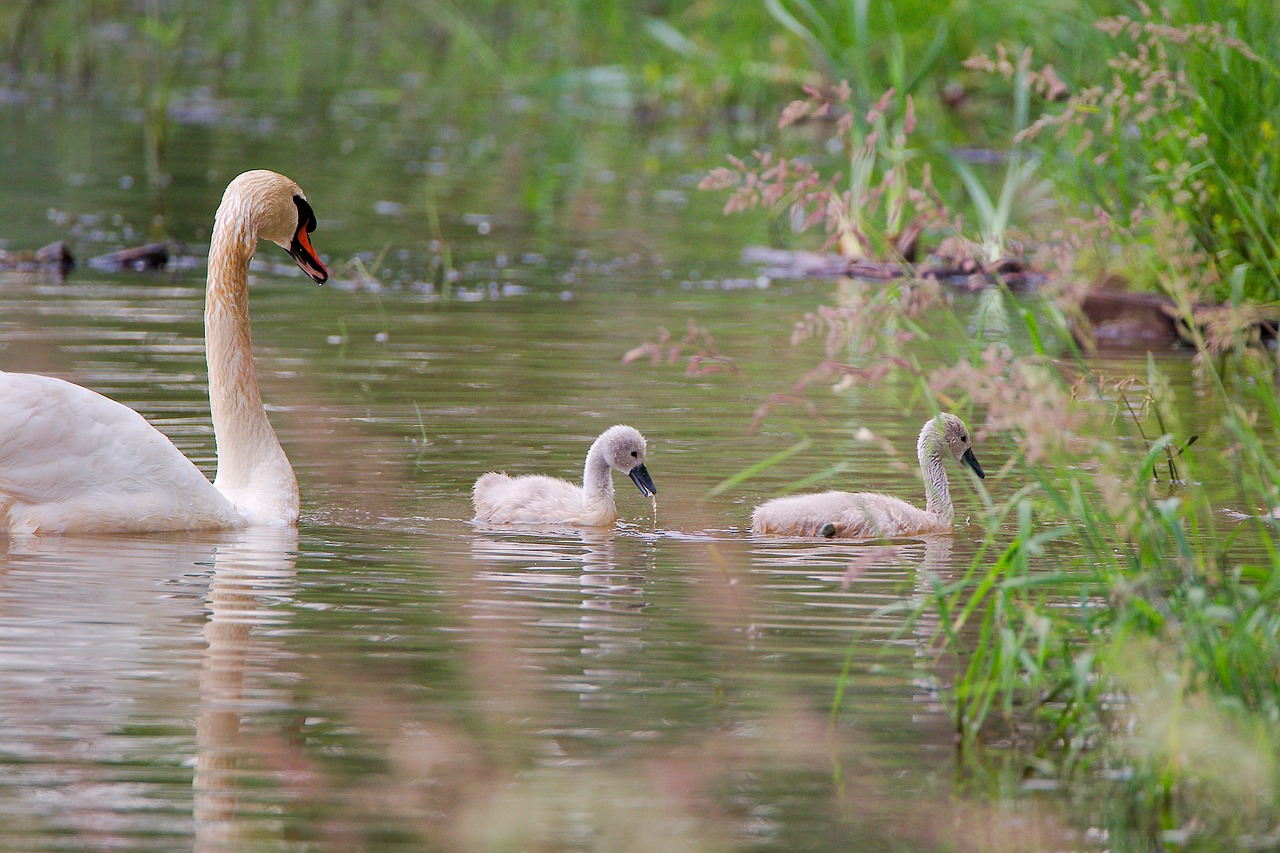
(937, 490)
(597, 484)
(252, 468)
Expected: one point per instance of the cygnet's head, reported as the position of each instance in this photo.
(623, 448)
(278, 209)
(955, 437)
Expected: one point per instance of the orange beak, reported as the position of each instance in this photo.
(301, 250)
(304, 255)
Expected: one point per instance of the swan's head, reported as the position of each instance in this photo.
(278, 210)
(623, 448)
(955, 437)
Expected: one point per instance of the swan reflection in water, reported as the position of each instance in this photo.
(253, 574)
(104, 642)
(589, 581)
(843, 585)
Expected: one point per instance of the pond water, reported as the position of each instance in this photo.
(390, 676)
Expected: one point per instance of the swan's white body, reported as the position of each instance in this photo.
(868, 515)
(72, 460)
(535, 499)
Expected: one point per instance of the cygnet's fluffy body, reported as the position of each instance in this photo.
(868, 515)
(536, 499)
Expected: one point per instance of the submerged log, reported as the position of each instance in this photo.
(150, 256)
(1120, 319)
(54, 258)
(968, 274)
(1110, 317)
(784, 263)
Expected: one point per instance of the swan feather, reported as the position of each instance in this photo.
(72, 459)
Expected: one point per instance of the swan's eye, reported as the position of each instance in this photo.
(634, 454)
(964, 438)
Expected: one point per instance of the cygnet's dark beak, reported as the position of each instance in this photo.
(972, 461)
(300, 249)
(640, 476)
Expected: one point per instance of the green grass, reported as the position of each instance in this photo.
(1113, 629)
(1181, 126)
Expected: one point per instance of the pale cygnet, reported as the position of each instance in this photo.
(535, 499)
(866, 515)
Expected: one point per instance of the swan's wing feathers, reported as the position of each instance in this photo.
(71, 458)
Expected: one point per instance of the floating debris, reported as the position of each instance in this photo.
(55, 258)
(151, 256)
(966, 273)
(1120, 319)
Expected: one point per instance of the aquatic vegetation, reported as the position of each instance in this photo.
(1113, 618)
(878, 209)
(705, 356)
(1115, 627)
(994, 216)
(1184, 128)
(1077, 655)
(393, 52)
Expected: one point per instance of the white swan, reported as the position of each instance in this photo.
(72, 460)
(534, 499)
(866, 515)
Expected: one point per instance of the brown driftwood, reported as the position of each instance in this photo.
(150, 256)
(54, 258)
(969, 274)
(1115, 318)
(1122, 319)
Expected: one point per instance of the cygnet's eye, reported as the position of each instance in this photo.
(964, 438)
(634, 454)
